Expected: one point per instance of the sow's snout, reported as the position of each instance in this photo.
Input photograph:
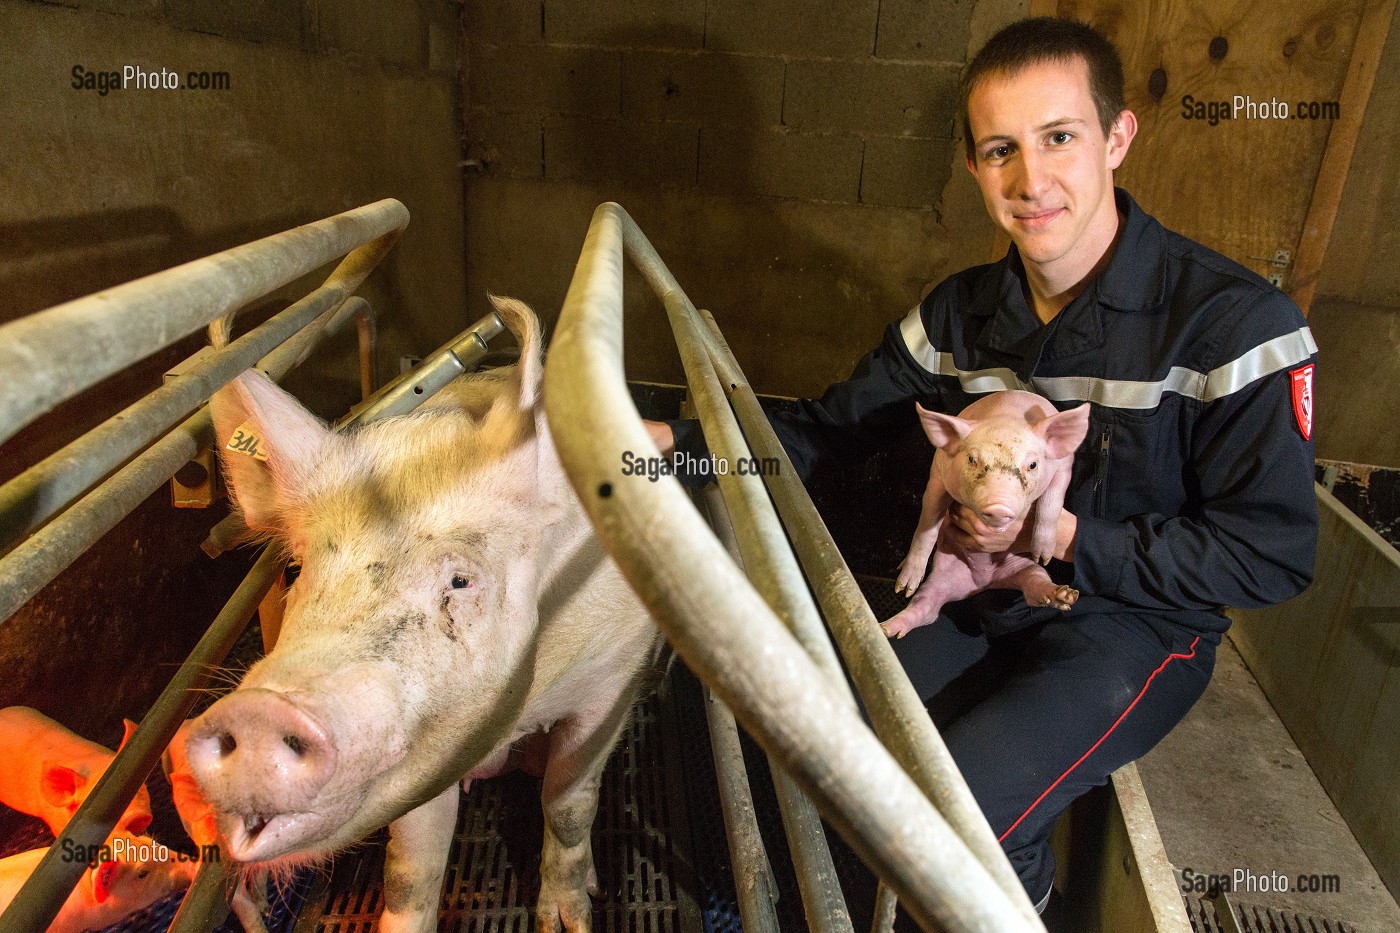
(260, 760)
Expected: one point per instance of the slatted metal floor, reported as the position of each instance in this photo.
(1212, 916)
(641, 844)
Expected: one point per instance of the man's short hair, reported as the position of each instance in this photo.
(1046, 39)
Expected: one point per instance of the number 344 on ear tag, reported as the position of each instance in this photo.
(245, 440)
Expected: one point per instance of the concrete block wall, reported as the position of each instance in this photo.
(794, 161)
(850, 103)
(331, 104)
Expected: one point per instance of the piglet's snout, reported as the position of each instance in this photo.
(997, 515)
(255, 751)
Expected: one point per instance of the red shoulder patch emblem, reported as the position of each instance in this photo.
(1303, 399)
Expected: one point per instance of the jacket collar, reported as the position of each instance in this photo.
(1135, 280)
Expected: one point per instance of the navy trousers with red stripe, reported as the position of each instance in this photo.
(1036, 717)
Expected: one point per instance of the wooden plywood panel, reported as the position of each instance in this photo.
(1336, 163)
(1360, 373)
(1242, 187)
(1360, 265)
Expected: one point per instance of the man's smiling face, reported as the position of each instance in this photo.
(1045, 166)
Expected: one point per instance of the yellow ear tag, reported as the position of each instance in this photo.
(245, 440)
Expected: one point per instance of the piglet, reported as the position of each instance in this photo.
(129, 873)
(1005, 453)
(195, 813)
(47, 771)
(249, 901)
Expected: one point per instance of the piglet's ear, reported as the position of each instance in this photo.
(104, 876)
(269, 443)
(945, 431)
(59, 785)
(1064, 431)
(128, 730)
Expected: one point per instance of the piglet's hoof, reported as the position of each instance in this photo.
(898, 626)
(910, 576)
(1062, 597)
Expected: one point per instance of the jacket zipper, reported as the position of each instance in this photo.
(1101, 471)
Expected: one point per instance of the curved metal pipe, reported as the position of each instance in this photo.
(754, 886)
(768, 562)
(46, 488)
(297, 348)
(48, 552)
(455, 357)
(895, 711)
(122, 325)
(725, 631)
(206, 903)
(823, 903)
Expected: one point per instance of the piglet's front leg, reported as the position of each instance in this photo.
(415, 862)
(934, 509)
(1047, 515)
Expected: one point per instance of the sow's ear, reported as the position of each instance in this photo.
(1064, 431)
(945, 431)
(274, 440)
(521, 322)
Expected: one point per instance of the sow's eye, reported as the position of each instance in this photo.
(1033, 464)
(461, 583)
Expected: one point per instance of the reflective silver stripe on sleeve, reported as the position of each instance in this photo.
(916, 341)
(1270, 357)
(1263, 360)
(941, 364)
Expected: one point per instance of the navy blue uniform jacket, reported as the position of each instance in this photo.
(1194, 487)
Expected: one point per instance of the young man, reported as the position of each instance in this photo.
(1193, 491)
